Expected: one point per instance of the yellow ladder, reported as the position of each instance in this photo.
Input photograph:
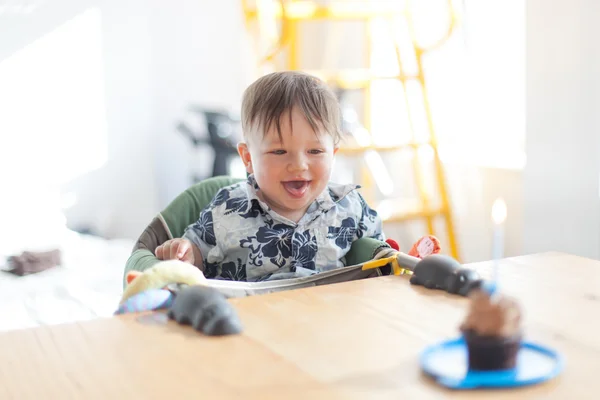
(280, 19)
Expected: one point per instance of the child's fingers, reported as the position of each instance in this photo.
(182, 248)
(188, 257)
(173, 251)
(188, 254)
(164, 250)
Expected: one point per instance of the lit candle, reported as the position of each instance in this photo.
(498, 217)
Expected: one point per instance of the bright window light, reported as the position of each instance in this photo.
(475, 82)
(52, 102)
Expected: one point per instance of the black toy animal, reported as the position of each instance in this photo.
(206, 309)
(438, 271)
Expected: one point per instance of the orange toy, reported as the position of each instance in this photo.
(425, 246)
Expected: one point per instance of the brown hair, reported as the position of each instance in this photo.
(267, 99)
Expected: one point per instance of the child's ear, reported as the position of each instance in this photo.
(244, 153)
(335, 149)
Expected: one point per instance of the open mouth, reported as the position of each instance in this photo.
(296, 188)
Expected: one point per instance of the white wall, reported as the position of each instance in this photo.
(117, 199)
(561, 179)
(198, 58)
(156, 59)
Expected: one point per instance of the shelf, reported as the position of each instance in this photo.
(357, 78)
(403, 210)
(413, 216)
(336, 10)
(359, 150)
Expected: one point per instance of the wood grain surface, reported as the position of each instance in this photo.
(355, 340)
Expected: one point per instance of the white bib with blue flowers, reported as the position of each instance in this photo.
(242, 239)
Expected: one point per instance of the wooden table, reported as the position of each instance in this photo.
(356, 340)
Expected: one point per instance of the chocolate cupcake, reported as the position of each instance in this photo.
(492, 331)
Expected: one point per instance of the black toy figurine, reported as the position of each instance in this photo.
(206, 309)
(438, 271)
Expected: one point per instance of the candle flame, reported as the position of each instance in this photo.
(499, 211)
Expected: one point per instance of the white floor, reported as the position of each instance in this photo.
(87, 286)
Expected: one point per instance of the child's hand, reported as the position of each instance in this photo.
(176, 249)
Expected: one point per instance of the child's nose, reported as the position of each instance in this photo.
(298, 162)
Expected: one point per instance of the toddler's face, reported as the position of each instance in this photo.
(291, 172)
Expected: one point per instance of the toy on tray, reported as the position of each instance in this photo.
(181, 288)
(156, 288)
(442, 272)
(402, 263)
(161, 275)
(429, 269)
(206, 309)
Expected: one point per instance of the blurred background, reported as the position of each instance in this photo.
(108, 110)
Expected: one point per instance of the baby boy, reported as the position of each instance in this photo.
(287, 220)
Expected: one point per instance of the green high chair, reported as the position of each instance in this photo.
(185, 210)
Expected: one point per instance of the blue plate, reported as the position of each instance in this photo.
(447, 363)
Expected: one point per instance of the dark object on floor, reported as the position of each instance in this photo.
(439, 271)
(30, 262)
(206, 309)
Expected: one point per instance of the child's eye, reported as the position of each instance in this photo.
(278, 152)
(315, 151)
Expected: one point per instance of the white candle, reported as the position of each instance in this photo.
(498, 218)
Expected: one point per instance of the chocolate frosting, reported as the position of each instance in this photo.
(492, 316)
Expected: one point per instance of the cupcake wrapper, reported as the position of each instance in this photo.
(489, 353)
